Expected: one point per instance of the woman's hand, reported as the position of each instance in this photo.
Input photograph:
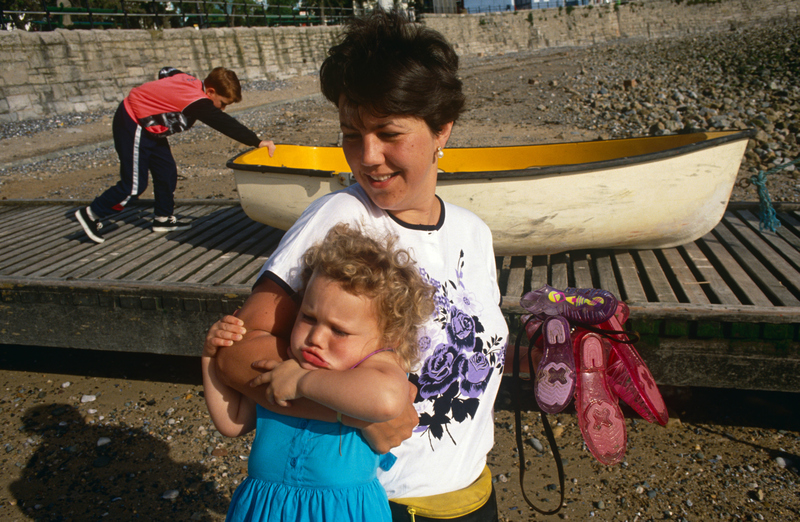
(224, 332)
(282, 379)
(383, 436)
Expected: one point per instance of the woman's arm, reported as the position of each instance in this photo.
(268, 316)
(376, 391)
(233, 414)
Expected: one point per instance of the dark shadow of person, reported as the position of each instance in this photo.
(82, 472)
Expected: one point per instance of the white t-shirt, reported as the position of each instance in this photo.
(462, 345)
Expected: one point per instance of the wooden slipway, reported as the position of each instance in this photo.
(722, 311)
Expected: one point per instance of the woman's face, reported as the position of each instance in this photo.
(394, 160)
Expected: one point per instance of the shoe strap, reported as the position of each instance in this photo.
(614, 335)
(545, 423)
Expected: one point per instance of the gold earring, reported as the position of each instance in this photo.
(439, 152)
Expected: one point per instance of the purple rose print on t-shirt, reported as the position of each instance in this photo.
(439, 372)
(475, 372)
(461, 330)
(455, 375)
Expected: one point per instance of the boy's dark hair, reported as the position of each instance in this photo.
(225, 83)
(387, 65)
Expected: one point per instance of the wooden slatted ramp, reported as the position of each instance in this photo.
(138, 291)
(722, 311)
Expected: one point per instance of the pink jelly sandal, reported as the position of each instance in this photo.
(630, 378)
(599, 415)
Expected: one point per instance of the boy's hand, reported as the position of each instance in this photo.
(223, 333)
(270, 146)
(282, 378)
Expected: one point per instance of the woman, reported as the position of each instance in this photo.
(398, 95)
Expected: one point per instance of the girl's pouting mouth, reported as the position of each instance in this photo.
(313, 359)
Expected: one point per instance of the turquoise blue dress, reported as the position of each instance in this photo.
(305, 470)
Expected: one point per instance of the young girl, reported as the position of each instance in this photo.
(363, 301)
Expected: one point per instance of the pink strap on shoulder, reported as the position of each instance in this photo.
(370, 355)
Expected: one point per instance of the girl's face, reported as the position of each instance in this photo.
(394, 160)
(334, 328)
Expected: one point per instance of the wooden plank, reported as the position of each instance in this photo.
(605, 272)
(46, 254)
(26, 215)
(82, 252)
(582, 269)
(516, 277)
(688, 312)
(631, 285)
(144, 245)
(790, 229)
(559, 271)
(759, 273)
(19, 235)
(722, 363)
(268, 238)
(538, 272)
(502, 263)
(656, 276)
(722, 264)
(25, 224)
(6, 210)
(248, 274)
(166, 249)
(44, 236)
(210, 261)
(188, 251)
(117, 247)
(684, 278)
(123, 243)
(783, 258)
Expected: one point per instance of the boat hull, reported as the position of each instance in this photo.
(657, 199)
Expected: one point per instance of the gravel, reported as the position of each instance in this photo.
(145, 449)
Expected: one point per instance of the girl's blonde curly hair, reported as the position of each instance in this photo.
(377, 269)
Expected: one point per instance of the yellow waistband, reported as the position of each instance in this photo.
(454, 504)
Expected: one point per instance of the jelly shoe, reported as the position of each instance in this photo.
(532, 324)
(622, 312)
(578, 305)
(555, 377)
(599, 416)
(630, 378)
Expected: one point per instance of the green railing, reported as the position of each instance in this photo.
(159, 14)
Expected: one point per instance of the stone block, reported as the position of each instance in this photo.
(19, 102)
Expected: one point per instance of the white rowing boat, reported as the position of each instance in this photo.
(640, 193)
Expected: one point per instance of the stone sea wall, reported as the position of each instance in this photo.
(50, 73)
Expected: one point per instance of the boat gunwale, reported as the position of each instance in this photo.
(531, 171)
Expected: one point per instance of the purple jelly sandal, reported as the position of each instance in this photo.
(555, 377)
(578, 305)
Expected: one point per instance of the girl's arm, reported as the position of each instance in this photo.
(233, 414)
(376, 391)
(268, 316)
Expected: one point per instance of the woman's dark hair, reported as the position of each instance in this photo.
(387, 65)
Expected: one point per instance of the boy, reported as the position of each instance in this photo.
(143, 120)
